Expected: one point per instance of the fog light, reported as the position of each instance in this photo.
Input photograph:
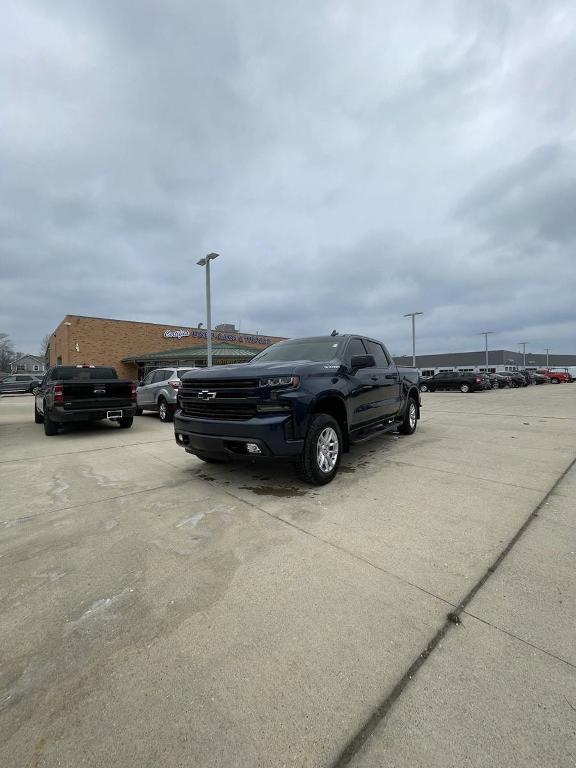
(252, 448)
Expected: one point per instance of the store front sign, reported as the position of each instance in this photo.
(181, 333)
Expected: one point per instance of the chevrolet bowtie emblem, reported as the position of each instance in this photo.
(205, 395)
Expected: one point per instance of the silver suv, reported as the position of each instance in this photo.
(158, 391)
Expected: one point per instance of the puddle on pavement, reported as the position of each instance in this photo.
(209, 478)
(280, 493)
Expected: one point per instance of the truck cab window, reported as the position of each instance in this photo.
(356, 347)
(377, 352)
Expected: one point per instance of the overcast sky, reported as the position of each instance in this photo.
(351, 160)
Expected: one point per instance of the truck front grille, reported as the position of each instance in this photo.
(208, 409)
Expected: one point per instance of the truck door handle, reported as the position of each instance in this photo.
(391, 375)
(374, 378)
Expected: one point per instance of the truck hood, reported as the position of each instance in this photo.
(260, 370)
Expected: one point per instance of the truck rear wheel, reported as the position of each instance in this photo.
(126, 421)
(410, 421)
(322, 452)
(50, 427)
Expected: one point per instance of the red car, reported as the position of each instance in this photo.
(556, 377)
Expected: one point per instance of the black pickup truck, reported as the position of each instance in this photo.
(306, 400)
(73, 393)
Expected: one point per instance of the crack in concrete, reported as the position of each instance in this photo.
(520, 639)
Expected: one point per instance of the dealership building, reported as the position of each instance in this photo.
(134, 348)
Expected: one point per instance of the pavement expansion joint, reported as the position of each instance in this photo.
(453, 619)
(29, 459)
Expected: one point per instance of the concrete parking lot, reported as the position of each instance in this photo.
(419, 611)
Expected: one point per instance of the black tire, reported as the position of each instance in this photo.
(423, 387)
(165, 411)
(465, 388)
(410, 421)
(210, 459)
(126, 422)
(138, 411)
(50, 427)
(38, 418)
(309, 464)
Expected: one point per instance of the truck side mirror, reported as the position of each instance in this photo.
(362, 361)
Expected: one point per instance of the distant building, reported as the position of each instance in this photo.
(28, 364)
(498, 360)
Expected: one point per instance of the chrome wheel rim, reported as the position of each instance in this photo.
(412, 416)
(464, 388)
(162, 411)
(423, 388)
(327, 450)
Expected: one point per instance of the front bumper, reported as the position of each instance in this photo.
(62, 416)
(215, 437)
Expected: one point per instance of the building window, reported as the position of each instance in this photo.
(35, 367)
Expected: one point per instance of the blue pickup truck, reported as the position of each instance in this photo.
(304, 400)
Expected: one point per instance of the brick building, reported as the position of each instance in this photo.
(123, 343)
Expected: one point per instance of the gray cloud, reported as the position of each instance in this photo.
(348, 166)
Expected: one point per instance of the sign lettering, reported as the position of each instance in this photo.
(181, 333)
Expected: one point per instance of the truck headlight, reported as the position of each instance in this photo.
(280, 381)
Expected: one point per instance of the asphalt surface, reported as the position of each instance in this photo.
(419, 611)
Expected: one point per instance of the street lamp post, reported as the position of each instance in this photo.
(413, 316)
(486, 334)
(523, 345)
(205, 262)
(547, 350)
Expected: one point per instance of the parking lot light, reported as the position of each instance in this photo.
(486, 334)
(413, 316)
(205, 262)
(523, 345)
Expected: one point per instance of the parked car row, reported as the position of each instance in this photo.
(466, 381)
(19, 383)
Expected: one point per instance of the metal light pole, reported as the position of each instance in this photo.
(523, 345)
(547, 350)
(486, 334)
(413, 316)
(206, 263)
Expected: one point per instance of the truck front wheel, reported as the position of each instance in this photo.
(322, 452)
(410, 420)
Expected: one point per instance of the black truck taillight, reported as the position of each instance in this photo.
(58, 393)
(133, 391)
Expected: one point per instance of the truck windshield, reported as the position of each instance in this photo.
(314, 350)
(72, 373)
